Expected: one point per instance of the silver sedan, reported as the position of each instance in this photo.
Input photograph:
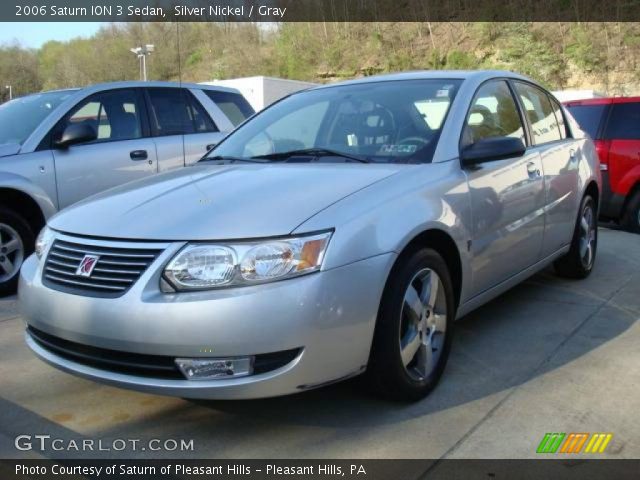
(340, 231)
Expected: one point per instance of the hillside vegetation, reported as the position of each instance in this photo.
(601, 56)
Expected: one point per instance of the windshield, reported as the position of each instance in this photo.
(20, 117)
(382, 122)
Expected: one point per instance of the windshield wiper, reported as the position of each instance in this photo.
(230, 159)
(316, 152)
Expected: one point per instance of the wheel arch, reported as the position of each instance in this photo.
(634, 190)
(443, 243)
(593, 190)
(23, 204)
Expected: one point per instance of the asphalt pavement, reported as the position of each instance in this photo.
(551, 355)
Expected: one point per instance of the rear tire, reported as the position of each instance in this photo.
(578, 262)
(16, 243)
(631, 218)
(413, 331)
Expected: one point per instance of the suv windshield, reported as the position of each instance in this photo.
(382, 122)
(20, 117)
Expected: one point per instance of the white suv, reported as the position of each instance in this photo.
(59, 147)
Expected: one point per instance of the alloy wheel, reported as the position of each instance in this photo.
(11, 252)
(587, 236)
(423, 324)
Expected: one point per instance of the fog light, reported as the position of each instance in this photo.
(214, 368)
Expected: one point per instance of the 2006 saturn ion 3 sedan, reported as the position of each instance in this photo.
(340, 231)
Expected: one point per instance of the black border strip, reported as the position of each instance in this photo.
(321, 10)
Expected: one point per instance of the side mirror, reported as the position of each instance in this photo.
(74, 134)
(492, 148)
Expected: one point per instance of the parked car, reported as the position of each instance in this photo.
(341, 230)
(61, 146)
(614, 125)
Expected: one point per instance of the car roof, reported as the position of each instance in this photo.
(139, 83)
(475, 75)
(601, 101)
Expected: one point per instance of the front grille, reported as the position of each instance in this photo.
(155, 366)
(115, 271)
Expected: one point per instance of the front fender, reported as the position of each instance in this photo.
(13, 181)
(385, 217)
(629, 180)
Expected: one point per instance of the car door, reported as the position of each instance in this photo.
(622, 133)
(204, 135)
(559, 157)
(122, 151)
(506, 195)
(182, 130)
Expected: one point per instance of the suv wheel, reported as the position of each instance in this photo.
(578, 262)
(16, 243)
(414, 328)
(631, 219)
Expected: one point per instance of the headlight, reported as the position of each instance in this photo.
(45, 237)
(204, 266)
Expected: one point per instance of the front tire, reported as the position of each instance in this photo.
(631, 219)
(16, 244)
(413, 331)
(579, 260)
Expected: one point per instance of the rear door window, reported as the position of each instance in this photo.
(234, 106)
(588, 117)
(174, 111)
(562, 125)
(624, 122)
(537, 108)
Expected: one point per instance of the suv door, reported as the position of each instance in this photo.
(622, 133)
(183, 131)
(559, 164)
(121, 153)
(507, 195)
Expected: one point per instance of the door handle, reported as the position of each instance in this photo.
(138, 155)
(210, 146)
(533, 170)
(572, 154)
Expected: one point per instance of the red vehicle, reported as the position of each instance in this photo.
(614, 125)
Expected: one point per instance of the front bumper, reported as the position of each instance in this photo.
(329, 316)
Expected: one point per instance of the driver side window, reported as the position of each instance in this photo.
(114, 115)
(493, 114)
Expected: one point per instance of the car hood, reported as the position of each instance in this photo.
(209, 202)
(8, 149)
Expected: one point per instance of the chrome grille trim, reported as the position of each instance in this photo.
(119, 266)
(62, 264)
(68, 257)
(84, 284)
(120, 272)
(100, 252)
